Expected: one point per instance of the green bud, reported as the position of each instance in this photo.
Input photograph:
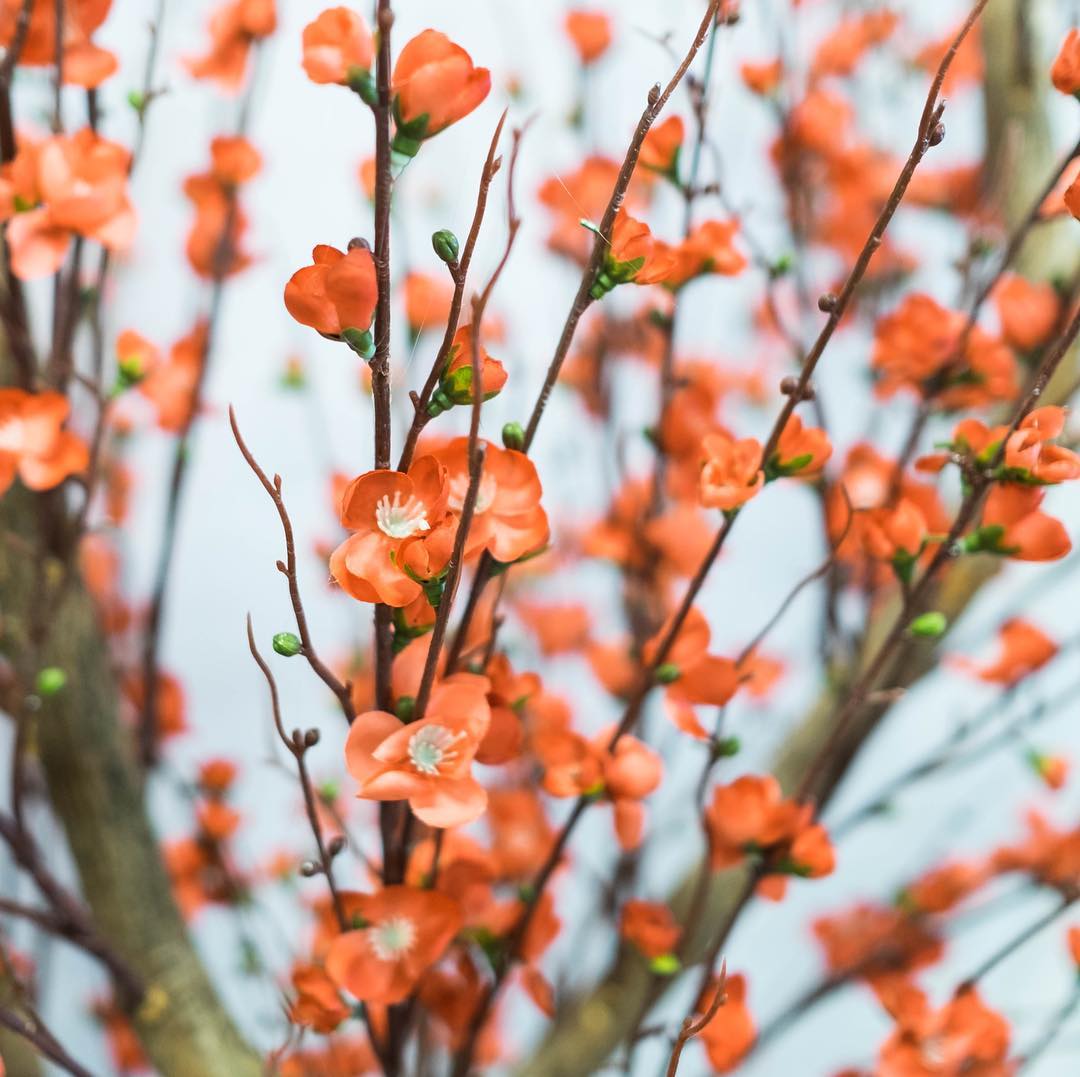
(405, 707)
(929, 625)
(728, 747)
(513, 436)
(329, 791)
(446, 245)
(668, 673)
(137, 100)
(287, 644)
(361, 342)
(50, 680)
(665, 965)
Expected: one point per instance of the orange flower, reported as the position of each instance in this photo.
(456, 384)
(405, 931)
(589, 32)
(170, 704)
(632, 255)
(427, 301)
(336, 295)
(964, 1036)
(234, 28)
(1065, 74)
(1052, 769)
(577, 195)
(842, 49)
(1028, 311)
(692, 674)
(33, 444)
(385, 510)
(919, 342)
(660, 150)
(1023, 649)
(216, 776)
(428, 762)
(1074, 945)
(559, 629)
(630, 772)
(895, 534)
(800, 451)
(730, 1034)
(731, 471)
(762, 78)
(338, 47)
(66, 185)
(84, 63)
(650, 926)
(1013, 526)
(317, 1005)
(434, 85)
(521, 836)
(508, 519)
(171, 386)
(1072, 198)
(709, 248)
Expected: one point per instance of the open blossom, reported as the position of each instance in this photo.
(427, 301)
(1024, 648)
(802, 451)
(650, 926)
(434, 84)
(895, 533)
(660, 150)
(630, 771)
(695, 675)
(234, 27)
(1065, 74)
(730, 1034)
(214, 240)
(1013, 525)
(762, 78)
(632, 255)
(337, 293)
(589, 32)
(33, 443)
(169, 385)
(84, 63)
(508, 520)
(731, 471)
(709, 248)
(385, 510)
(337, 46)
(427, 762)
(64, 186)
(405, 931)
(1028, 311)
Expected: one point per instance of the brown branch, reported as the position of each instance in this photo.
(289, 570)
(690, 1027)
(583, 299)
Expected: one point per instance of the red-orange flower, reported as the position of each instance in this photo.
(337, 47)
(336, 294)
(1023, 649)
(632, 255)
(730, 1034)
(66, 185)
(762, 78)
(589, 32)
(84, 63)
(630, 772)
(1065, 74)
(1015, 527)
(1028, 311)
(429, 762)
(385, 510)
(234, 28)
(434, 85)
(33, 444)
(508, 519)
(317, 1004)
(801, 450)
(171, 386)
(405, 931)
(456, 384)
(650, 926)
(709, 248)
(427, 301)
(731, 471)
(660, 150)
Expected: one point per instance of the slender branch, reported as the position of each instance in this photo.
(690, 1027)
(289, 570)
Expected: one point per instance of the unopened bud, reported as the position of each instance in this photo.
(937, 136)
(361, 342)
(827, 303)
(309, 868)
(311, 738)
(50, 680)
(513, 436)
(929, 625)
(337, 844)
(668, 673)
(287, 644)
(445, 245)
(665, 965)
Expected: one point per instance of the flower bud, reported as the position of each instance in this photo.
(665, 965)
(446, 245)
(50, 680)
(929, 625)
(287, 644)
(668, 673)
(513, 436)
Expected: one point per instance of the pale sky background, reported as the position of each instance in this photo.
(313, 139)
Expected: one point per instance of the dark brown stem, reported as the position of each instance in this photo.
(690, 1027)
(288, 568)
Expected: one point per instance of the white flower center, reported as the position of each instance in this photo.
(400, 520)
(431, 747)
(392, 938)
(459, 488)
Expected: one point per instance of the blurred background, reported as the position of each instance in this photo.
(313, 140)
